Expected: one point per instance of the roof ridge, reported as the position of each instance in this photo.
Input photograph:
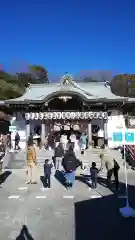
(82, 89)
(68, 80)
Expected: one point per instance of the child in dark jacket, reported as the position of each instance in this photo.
(94, 175)
(47, 173)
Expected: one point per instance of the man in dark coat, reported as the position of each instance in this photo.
(47, 172)
(30, 140)
(50, 141)
(17, 140)
(58, 154)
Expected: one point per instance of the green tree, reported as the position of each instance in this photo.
(123, 85)
(4, 75)
(35, 74)
(13, 86)
(10, 90)
(39, 72)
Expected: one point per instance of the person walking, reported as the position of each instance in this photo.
(50, 141)
(47, 173)
(73, 139)
(58, 154)
(57, 139)
(30, 139)
(94, 175)
(17, 140)
(70, 163)
(31, 160)
(9, 145)
(64, 141)
(83, 140)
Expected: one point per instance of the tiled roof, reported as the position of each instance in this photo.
(89, 91)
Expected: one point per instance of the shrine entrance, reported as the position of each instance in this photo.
(68, 114)
(68, 127)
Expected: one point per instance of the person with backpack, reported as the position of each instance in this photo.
(70, 163)
(47, 173)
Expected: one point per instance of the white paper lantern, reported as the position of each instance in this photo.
(41, 116)
(27, 116)
(36, 117)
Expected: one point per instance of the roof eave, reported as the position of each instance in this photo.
(92, 100)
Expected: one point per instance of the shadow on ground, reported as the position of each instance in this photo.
(103, 182)
(84, 179)
(4, 176)
(59, 175)
(24, 234)
(15, 161)
(100, 218)
(42, 179)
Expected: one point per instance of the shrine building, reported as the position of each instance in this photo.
(88, 107)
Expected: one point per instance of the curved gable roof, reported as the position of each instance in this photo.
(89, 91)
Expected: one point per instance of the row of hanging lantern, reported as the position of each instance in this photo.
(65, 115)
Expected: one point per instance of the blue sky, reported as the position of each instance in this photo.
(73, 35)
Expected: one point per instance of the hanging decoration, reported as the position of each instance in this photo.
(66, 115)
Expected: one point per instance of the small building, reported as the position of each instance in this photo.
(84, 107)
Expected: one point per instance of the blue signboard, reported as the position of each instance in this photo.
(126, 137)
(117, 137)
(129, 137)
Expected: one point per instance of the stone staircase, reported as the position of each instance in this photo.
(17, 160)
(89, 156)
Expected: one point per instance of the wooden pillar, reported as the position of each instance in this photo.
(27, 137)
(105, 133)
(89, 133)
(27, 130)
(43, 131)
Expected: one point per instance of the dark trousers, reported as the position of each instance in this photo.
(114, 172)
(94, 183)
(47, 180)
(72, 144)
(17, 145)
(69, 177)
(109, 175)
(116, 177)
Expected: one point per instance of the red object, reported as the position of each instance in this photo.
(131, 149)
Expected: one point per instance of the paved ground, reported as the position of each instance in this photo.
(77, 214)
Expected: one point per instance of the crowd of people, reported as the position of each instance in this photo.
(78, 141)
(65, 161)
